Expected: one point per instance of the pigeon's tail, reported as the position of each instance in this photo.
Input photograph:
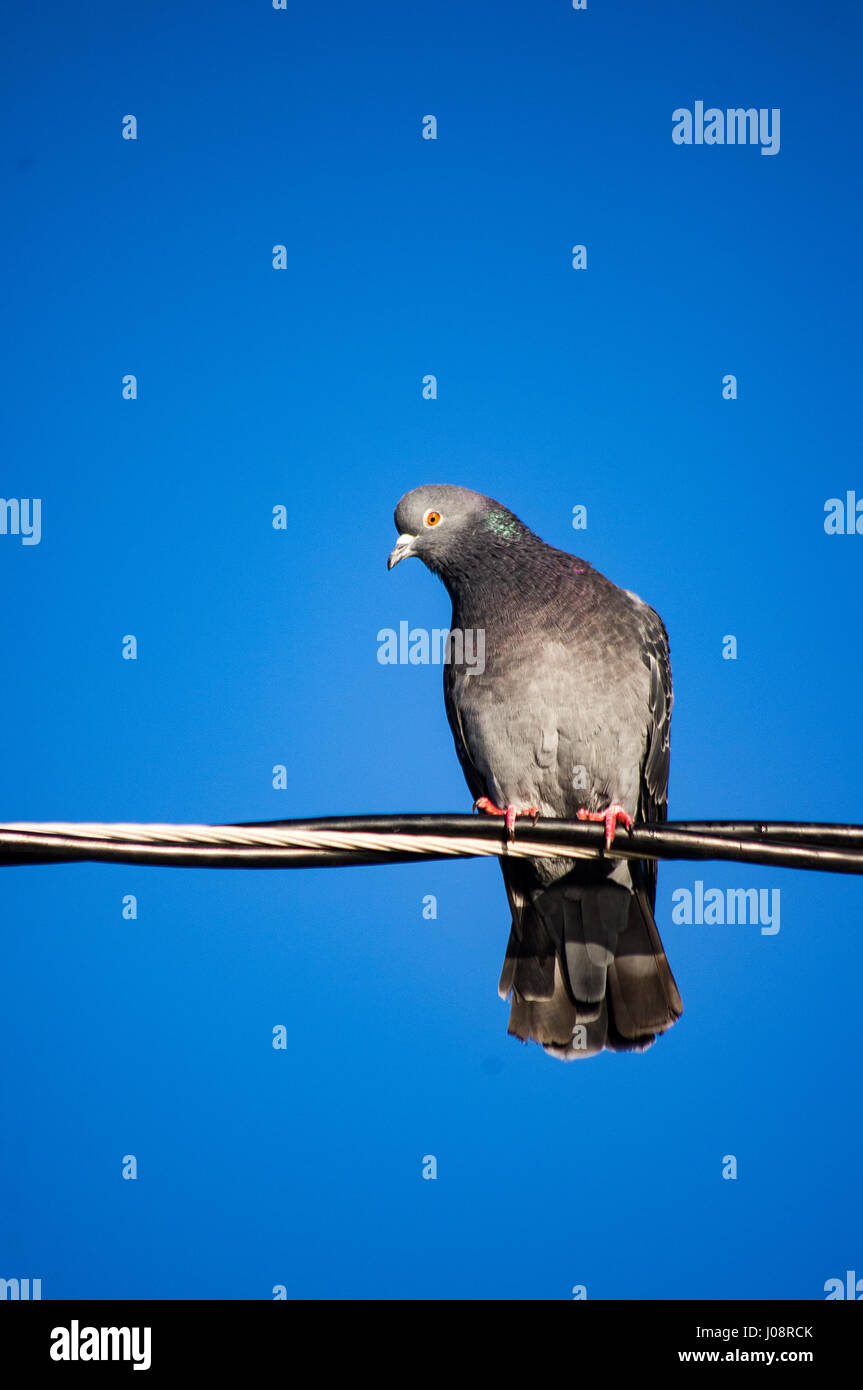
(586, 968)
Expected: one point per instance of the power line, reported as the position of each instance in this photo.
(356, 840)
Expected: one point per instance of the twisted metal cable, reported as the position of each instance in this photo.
(356, 840)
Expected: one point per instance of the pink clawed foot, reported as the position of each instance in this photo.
(484, 803)
(612, 816)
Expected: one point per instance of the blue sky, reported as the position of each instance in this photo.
(302, 387)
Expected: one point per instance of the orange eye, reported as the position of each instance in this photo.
(432, 518)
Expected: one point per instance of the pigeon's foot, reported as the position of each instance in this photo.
(484, 803)
(613, 815)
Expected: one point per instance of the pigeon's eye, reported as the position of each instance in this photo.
(432, 518)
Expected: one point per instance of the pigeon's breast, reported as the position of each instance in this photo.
(556, 722)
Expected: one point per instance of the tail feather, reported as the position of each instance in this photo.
(643, 991)
(587, 969)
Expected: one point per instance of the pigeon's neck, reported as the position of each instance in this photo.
(514, 579)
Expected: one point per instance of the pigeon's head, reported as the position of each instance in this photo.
(444, 525)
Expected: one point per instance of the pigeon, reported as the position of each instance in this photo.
(567, 716)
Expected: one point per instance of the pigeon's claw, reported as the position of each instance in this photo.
(511, 813)
(612, 815)
(484, 803)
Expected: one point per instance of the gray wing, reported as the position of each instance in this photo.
(653, 798)
(474, 779)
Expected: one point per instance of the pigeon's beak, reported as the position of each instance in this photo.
(403, 548)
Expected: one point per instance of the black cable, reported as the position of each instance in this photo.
(831, 848)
